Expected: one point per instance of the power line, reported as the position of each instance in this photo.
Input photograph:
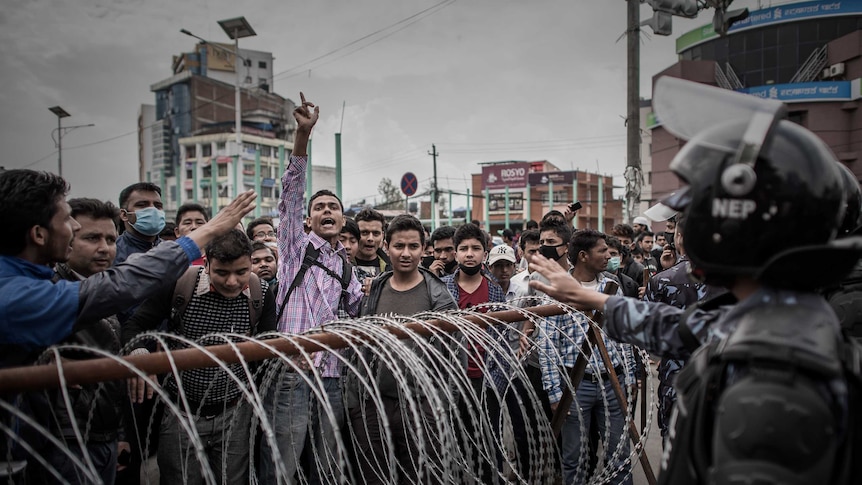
(41, 159)
(407, 21)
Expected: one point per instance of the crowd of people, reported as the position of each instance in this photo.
(69, 277)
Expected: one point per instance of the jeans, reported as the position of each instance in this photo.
(102, 453)
(303, 430)
(372, 450)
(225, 438)
(589, 399)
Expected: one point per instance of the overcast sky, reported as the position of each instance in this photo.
(485, 80)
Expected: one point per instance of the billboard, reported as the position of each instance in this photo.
(773, 15)
(220, 58)
(512, 175)
(542, 178)
(800, 92)
(497, 202)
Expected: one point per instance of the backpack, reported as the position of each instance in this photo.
(185, 289)
(757, 405)
(309, 259)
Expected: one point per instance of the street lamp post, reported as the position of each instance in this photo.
(235, 28)
(62, 130)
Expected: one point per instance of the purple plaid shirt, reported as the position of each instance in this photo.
(315, 301)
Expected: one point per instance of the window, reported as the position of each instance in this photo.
(266, 192)
(265, 151)
(190, 194)
(189, 174)
(222, 170)
(220, 146)
(207, 171)
(246, 62)
(206, 150)
(190, 151)
(173, 193)
(261, 64)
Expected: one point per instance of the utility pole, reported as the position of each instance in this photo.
(633, 173)
(434, 154)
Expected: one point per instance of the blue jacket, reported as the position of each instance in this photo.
(36, 312)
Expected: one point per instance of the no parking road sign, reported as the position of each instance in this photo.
(409, 184)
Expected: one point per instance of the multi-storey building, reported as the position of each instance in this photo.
(806, 54)
(531, 189)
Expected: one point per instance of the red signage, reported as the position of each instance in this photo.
(512, 175)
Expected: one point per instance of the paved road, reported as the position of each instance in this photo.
(653, 444)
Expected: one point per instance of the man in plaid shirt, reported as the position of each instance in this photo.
(299, 420)
(560, 341)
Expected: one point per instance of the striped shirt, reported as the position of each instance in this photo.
(560, 339)
(316, 300)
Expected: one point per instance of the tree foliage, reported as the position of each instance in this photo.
(390, 192)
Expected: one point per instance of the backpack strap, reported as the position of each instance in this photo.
(309, 259)
(183, 292)
(255, 301)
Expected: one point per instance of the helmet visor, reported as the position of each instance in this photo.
(687, 108)
(675, 202)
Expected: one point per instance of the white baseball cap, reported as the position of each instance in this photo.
(501, 252)
(642, 220)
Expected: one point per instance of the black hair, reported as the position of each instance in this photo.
(405, 222)
(229, 247)
(561, 229)
(584, 240)
(249, 231)
(531, 224)
(638, 251)
(552, 215)
(27, 198)
(350, 226)
(645, 233)
(137, 187)
(532, 235)
(94, 208)
(169, 231)
(191, 207)
(370, 215)
(469, 231)
(321, 193)
(441, 233)
(508, 233)
(623, 230)
(258, 245)
(615, 243)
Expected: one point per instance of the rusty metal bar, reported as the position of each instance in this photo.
(38, 377)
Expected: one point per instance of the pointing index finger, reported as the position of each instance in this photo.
(302, 97)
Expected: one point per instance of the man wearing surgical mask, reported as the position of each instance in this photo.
(615, 251)
(142, 217)
(142, 220)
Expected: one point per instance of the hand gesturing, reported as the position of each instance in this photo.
(305, 116)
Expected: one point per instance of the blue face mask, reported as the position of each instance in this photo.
(149, 221)
(614, 264)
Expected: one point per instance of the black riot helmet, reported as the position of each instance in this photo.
(853, 212)
(758, 188)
